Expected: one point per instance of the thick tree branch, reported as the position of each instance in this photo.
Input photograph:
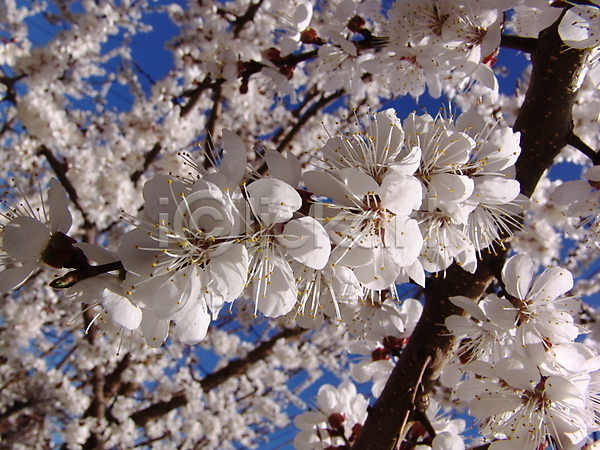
(546, 117)
(523, 44)
(235, 368)
(429, 346)
(545, 123)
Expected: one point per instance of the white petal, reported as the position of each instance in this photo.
(358, 181)
(401, 194)
(325, 184)
(25, 238)
(570, 192)
(181, 290)
(285, 169)
(408, 162)
(499, 311)
(276, 296)
(486, 76)
(14, 277)
(96, 253)
(517, 275)
(58, 208)
(303, 15)
(593, 173)
(560, 389)
(470, 306)
(447, 441)
(288, 45)
(518, 373)
(352, 254)
(121, 310)
(552, 283)
(345, 10)
(306, 241)
(501, 150)
(416, 272)
(388, 134)
(495, 190)
(448, 187)
(155, 331)
(403, 239)
(206, 209)
(133, 253)
(228, 271)
(456, 148)
(460, 326)
(233, 163)
(162, 194)
(272, 200)
(381, 272)
(469, 389)
(512, 444)
(488, 405)
(578, 27)
(192, 324)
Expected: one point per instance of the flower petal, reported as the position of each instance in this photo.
(306, 241)
(228, 271)
(552, 283)
(155, 330)
(14, 277)
(192, 324)
(517, 275)
(25, 238)
(287, 169)
(58, 208)
(121, 310)
(272, 200)
(233, 163)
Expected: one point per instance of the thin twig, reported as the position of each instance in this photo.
(575, 141)
(247, 17)
(60, 169)
(148, 159)
(234, 368)
(308, 114)
(211, 124)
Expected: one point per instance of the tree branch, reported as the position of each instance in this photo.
(148, 159)
(544, 122)
(194, 96)
(575, 141)
(235, 368)
(210, 126)
(304, 118)
(545, 119)
(60, 170)
(523, 44)
(241, 21)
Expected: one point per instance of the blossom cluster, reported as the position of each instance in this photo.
(581, 199)
(386, 205)
(273, 219)
(527, 381)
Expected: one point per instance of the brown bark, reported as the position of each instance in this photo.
(235, 368)
(545, 122)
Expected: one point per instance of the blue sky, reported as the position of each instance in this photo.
(149, 53)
